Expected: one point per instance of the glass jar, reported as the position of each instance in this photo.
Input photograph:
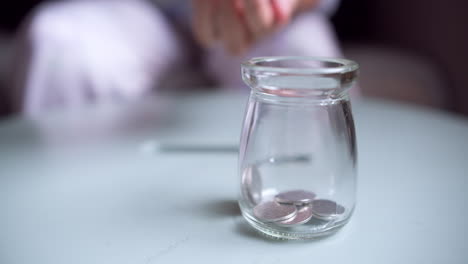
(297, 158)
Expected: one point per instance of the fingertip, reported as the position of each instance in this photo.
(260, 17)
(281, 11)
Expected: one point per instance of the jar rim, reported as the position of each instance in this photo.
(343, 65)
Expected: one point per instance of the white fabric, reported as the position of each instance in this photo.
(95, 50)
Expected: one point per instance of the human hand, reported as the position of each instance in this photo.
(238, 24)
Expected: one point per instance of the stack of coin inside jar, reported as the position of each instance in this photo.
(296, 207)
(290, 208)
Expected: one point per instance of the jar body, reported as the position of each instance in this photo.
(297, 146)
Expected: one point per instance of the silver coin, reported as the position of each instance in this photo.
(297, 197)
(252, 184)
(324, 218)
(304, 214)
(326, 209)
(273, 212)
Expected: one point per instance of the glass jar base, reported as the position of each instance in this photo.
(308, 231)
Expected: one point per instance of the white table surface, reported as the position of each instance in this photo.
(89, 187)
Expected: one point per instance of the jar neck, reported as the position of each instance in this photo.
(309, 99)
(299, 89)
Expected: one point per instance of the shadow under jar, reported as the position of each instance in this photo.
(297, 158)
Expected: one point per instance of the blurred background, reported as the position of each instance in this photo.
(411, 51)
(415, 50)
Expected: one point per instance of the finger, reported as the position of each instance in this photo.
(282, 10)
(233, 31)
(204, 21)
(259, 16)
